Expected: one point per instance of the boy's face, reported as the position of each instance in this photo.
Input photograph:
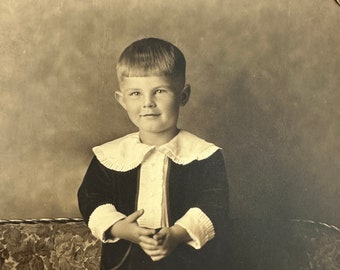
(153, 103)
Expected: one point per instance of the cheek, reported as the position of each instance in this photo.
(131, 107)
(171, 104)
(174, 106)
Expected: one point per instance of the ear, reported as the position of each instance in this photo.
(185, 94)
(119, 97)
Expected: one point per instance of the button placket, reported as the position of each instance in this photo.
(151, 190)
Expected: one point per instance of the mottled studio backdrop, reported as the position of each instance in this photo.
(265, 78)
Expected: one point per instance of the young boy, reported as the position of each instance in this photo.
(157, 198)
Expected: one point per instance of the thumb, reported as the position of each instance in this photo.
(135, 215)
(160, 235)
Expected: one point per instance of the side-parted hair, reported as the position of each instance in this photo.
(151, 57)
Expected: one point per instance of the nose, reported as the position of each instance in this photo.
(149, 102)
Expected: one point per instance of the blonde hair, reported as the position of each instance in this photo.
(151, 57)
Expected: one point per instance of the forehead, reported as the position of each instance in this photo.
(148, 82)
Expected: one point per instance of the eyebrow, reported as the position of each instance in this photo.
(160, 86)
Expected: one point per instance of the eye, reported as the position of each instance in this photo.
(160, 91)
(134, 93)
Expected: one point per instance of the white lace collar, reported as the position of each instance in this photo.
(128, 152)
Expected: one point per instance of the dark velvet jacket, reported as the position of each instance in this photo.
(201, 184)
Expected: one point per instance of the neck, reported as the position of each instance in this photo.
(157, 139)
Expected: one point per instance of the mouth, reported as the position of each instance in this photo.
(150, 115)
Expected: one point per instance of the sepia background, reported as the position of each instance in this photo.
(265, 79)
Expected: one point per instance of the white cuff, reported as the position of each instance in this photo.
(101, 219)
(198, 226)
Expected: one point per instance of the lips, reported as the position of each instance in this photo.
(150, 115)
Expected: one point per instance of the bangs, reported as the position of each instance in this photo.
(151, 57)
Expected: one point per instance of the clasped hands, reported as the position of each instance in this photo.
(158, 244)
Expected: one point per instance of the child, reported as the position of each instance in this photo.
(156, 198)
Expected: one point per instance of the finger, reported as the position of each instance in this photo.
(135, 215)
(147, 247)
(148, 240)
(160, 235)
(151, 251)
(160, 242)
(155, 252)
(157, 257)
(146, 232)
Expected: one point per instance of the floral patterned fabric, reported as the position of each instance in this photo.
(50, 245)
(319, 243)
(293, 245)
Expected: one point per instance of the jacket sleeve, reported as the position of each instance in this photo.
(95, 190)
(201, 190)
(212, 189)
(96, 201)
(202, 185)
